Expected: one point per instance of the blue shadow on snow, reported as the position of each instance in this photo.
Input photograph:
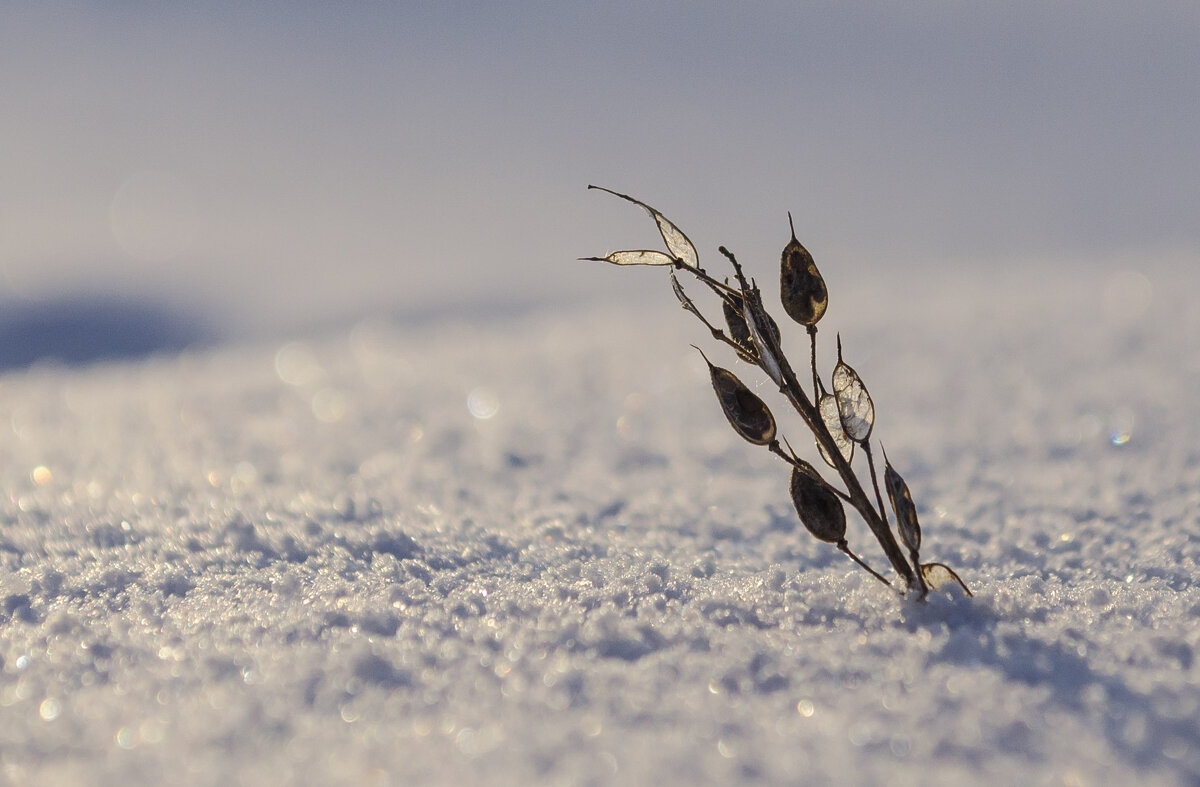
(86, 329)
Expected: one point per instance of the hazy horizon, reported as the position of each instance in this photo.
(292, 164)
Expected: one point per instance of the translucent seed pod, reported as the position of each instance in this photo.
(827, 405)
(747, 414)
(635, 257)
(902, 504)
(854, 404)
(801, 287)
(681, 248)
(817, 505)
(938, 575)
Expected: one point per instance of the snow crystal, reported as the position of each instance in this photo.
(534, 551)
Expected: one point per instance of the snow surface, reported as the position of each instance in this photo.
(530, 550)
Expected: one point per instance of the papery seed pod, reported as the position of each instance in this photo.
(902, 504)
(739, 334)
(854, 404)
(764, 333)
(800, 284)
(747, 414)
(817, 505)
(828, 407)
(677, 242)
(635, 257)
(937, 575)
(739, 331)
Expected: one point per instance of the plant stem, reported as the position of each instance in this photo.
(791, 389)
(842, 545)
(866, 446)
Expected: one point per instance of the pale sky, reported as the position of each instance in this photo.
(291, 164)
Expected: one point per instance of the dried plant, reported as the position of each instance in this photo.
(838, 420)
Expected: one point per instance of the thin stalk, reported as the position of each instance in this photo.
(773, 446)
(866, 446)
(812, 340)
(842, 545)
(857, 497)
(794, 393)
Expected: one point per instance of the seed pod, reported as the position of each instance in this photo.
(747, 414)
(828, 407)
(678, 244)
(800, 284)
(938, 574)
(635, 257)
(853, 402)
(739, 331)
(902, 504)
(739, 334)
(764, 333)
(817, 505)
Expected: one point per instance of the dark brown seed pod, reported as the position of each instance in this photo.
(747, 414)
(800, 284)
(902, 504)
(817, 505)
(739, 333)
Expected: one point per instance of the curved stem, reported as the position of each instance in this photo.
(845, 548)
(791, 389)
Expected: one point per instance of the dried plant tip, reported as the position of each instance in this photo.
(827, 405)
(800, 284)
(853, 402)
(739, 333)
(817, 505)
(902, 504)
(635, 257)
(677, 242)
(684, 300)
(939, 574)
(764, 333)
(747, 414)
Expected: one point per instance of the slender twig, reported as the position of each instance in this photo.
(845, 548)
(812, 337)
(866, 446)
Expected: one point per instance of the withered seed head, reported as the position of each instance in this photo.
(800, 284)
(902, 504)
(747, 414)
(819, 508)
(739, 332)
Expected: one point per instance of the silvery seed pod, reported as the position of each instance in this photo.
(800, 284)
(902, 504)
(747, 414)
(854, 405)
(817, 505)
(939, 574)
(827, 406)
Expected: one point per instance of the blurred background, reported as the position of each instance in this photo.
(180, 173)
